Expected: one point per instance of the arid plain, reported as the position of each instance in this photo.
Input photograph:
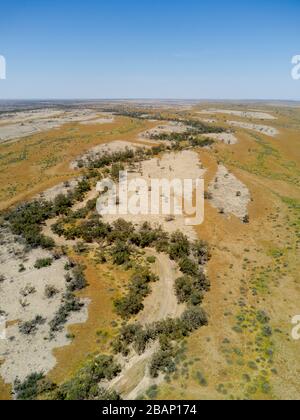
(248, 155)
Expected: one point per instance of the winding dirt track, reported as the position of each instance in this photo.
(161, 304)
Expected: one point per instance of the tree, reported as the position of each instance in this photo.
(179, 246)
(193, 318)
(120, 253)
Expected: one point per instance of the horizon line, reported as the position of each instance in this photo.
(151, 99)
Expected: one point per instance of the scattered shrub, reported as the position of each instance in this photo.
(43, 262)
(85, 385)
(69, 304)
(194, 318)
(189, 267)
(32, 386)
(162, 362)
(120, 253)
(78, 280)
(138, 289)
(50, 291)
(30, 327)
(179, 246)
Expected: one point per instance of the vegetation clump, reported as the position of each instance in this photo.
(30, 327)
(50, 291)
(86, 384)
(33, 385)
(43, 263)
(77, 281)
(69, 304)
(138, 289)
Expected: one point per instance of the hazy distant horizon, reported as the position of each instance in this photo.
(174, 99)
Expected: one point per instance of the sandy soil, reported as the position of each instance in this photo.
(227, 138)
(264, 129)
(229, 195)
(162, 303)
(244, 114)
(172, 127)
(208, 120)
(114, 146)
(170, 166)
(27, 116)
(62, 188)
(17, 125)
(102, 120)
(23, 354)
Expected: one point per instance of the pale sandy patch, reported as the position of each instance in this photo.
(229, 195)
(62, 188)
(106, 148)
(103, 119)
(29, 116)
(176, 165)
(17, 125)
(227, 138)
(244, 114)
(263, 129)
(208, 120)
(172, 127)
(26, 354)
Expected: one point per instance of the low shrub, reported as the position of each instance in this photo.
(30, 327)
(32, 386)
(43, 263)
(69, 304)
(78, 280)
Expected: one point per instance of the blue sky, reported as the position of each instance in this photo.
(149, 49)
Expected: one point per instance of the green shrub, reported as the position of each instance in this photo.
(179, 246)
(30, 327)
(201, 379)
(69, 304)
(189, 267)
(138, 289)
(115, 171)
(78, 280)
(43, 263)
(194, 318)
(162, 362)
(32, 386)
(120, 253)
(152, 392)
(62, 204)
(85, 384)
(50, 291)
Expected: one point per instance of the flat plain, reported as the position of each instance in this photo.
(251, 225)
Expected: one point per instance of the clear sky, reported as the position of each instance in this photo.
(149, 49)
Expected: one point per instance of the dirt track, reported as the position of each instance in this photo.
(161, 304)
